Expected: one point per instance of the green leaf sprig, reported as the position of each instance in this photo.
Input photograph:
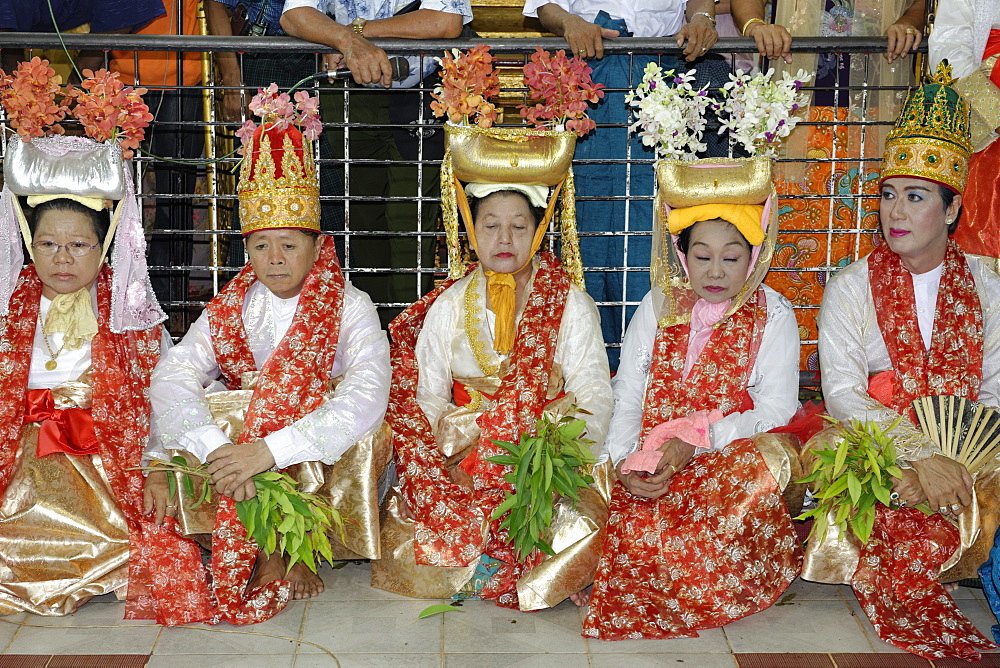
(850, 478)
(279, 517)
(553, 463)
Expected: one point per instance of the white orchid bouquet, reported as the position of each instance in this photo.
(759, 111)
(669, 112)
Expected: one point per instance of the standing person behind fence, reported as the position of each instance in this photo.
(966, 33)
(391, 187)
(304, 367)
(915, 318)
(105, 16)
(585, 25)
(176, 133)
(78, 342)
(258, 69)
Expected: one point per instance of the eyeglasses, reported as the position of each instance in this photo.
(74, 248)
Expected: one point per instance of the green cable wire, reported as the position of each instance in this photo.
(52, 14)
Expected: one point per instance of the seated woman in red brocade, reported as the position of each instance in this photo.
(699, 534)
(481, 358)
(78, 342)
(915, 318)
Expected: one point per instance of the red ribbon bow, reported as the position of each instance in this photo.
(70, 430)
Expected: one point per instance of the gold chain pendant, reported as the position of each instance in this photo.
(51, 365)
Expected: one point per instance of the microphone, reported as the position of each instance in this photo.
(400, 70)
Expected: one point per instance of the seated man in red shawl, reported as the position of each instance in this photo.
(301, 354)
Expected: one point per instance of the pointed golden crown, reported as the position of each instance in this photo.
(931, 138)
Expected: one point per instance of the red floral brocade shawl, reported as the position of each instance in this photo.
(121, 368)
(954, 363)
(291, 384)
(449, 517)
(720, 376)
(896, 581)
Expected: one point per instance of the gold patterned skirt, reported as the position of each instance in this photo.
(63, 537)
(835, 559)
(350, 484)
(576, 534)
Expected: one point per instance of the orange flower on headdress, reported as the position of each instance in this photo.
(468, 81)
(563, 88)
(29, 96)
(108, 109)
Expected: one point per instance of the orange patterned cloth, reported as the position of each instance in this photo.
(896, 579)
(121, 369)
(719, 545)
(450, 517)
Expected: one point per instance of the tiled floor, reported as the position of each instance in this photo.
(351, 624)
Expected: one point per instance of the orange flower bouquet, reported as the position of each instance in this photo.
(29, 96)
(108, 109)
(468, 82)
(562, 89)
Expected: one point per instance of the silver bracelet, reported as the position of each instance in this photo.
(706, 15)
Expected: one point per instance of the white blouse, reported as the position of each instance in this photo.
(960, 31)
(181, 418)
(851, 349)
(773, 384)
(444, 352)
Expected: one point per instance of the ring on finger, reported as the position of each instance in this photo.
(955, 507)
(911, 31)
(943, 509)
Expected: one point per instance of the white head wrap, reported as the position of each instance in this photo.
(537, 195)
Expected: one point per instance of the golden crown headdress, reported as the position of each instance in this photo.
(279, 186)
(931, 137)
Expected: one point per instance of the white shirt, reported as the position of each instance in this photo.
(851, 349)
(444, 353)
(181, 418)
(345, 11)
(960, 31)
(644, 18)
(773, 384)
(925, 289)
(70, 364)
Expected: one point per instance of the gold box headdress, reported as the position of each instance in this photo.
(931, 138)
(41, 164)
(531, 159)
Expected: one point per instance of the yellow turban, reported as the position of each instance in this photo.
(745, 217)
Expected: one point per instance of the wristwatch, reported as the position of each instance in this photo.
(706, 15)
(358, 25)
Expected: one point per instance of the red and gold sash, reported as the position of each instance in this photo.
(449, 517)
(305, 355)
(121, 369)
(719, 378)
(954, 363)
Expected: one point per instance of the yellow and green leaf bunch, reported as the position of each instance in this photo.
(850, 478)
(279, 517)
(553, 463)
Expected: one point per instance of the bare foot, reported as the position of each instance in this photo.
(951, 587)
(581, 598)
(76, 606)
(268, 569)
(305, 583)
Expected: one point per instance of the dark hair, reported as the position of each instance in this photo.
(536, 211)
(100, 221)
(684, 238)
(948, 196)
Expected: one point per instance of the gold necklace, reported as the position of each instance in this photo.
(52, 364)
